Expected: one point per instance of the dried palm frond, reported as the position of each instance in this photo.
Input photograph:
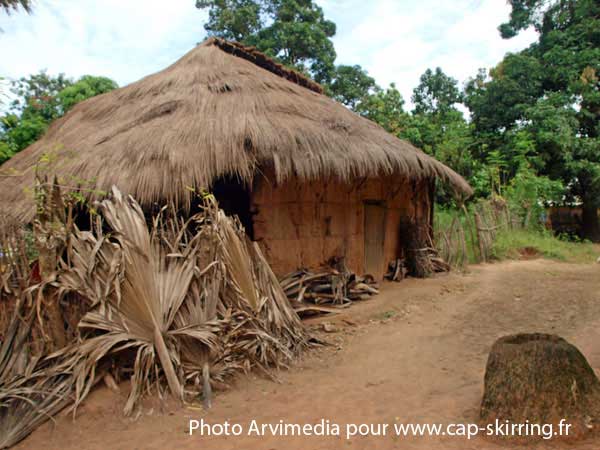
(196, 300)
(8, 5)
(31, 392)
(181, 303)
(29, 400)
(139, 313)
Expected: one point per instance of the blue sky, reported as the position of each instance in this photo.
(395, 40)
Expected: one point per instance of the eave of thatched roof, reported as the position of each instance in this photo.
(222, 109)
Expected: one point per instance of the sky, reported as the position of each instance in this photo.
(394, 40)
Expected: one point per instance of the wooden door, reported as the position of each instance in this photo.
(374, 238)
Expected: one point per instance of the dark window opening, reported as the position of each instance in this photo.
(234, 199)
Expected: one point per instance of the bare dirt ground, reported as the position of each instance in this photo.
(416, 353)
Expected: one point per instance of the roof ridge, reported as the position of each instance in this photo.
(258, 58)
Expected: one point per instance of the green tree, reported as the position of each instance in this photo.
(235, 20)
(16, 133)
(37, 95)
(40, 99)
(437, 126)
(499, 101)
(86, 87)
(437, 93)
(448, 138)
(385, 107)
(293, 31)
(350, 85)
(546, 98)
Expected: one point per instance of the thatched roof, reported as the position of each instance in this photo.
(222, 109)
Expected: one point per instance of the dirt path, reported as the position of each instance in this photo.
(416, 353)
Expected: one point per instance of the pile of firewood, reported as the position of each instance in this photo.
(397, 270)
(311, 292)
(427, 261)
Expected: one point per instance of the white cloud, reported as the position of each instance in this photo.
(125, 40)
(395, 40)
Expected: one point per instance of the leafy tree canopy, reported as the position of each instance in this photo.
(293, 31)
(437, 93)
(551, 91)
(40, 99)
(350, 85)
(86, 87)
(37, 95)
(385, 107)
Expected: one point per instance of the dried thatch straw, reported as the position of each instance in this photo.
(222, 109)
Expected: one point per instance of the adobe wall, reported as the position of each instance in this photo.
(303, 224)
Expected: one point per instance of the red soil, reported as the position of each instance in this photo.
(416, 353)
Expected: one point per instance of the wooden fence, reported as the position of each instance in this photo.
(471, 235)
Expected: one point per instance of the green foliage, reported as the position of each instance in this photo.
(437, 93)
(385, 107)
(86, 87)
(350, 85)
(499, 101)
(19, 132)
(232, 19)
(545, 15)
(547, 98)
(37, 95)
(438, 127)
(6, 151)
(528, 196)
(293, 31)
(296, 33)
(40, 99)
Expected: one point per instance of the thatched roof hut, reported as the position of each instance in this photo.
(222, 110)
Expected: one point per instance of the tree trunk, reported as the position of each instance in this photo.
(590, 225)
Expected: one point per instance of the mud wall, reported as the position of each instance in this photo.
(304, 224)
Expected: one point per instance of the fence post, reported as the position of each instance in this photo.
(470, 226)
(479, 229)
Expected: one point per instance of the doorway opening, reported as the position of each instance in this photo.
(235, 200)
(375, 214)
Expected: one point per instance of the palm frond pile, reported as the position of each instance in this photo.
(180, 304)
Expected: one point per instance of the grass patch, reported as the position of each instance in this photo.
(510, 244)
(514, 243)
(388, 315)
